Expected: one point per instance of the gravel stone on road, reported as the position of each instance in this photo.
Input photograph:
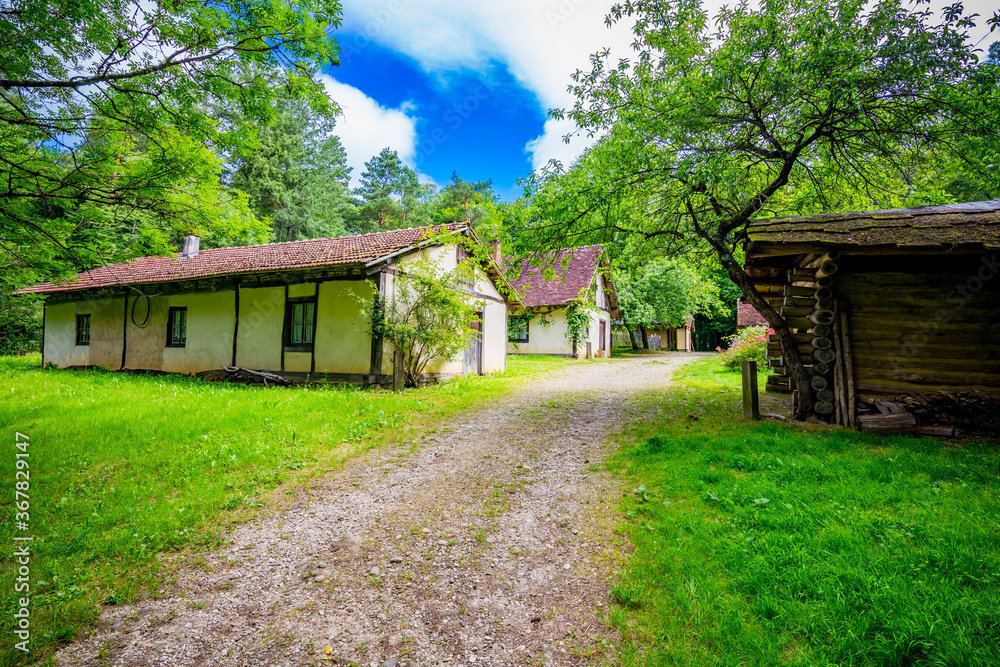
(491, 541)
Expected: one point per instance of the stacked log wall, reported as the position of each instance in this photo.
(807, 304)
(922, 332)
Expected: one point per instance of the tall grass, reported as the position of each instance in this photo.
(125, 467)
(767, 544)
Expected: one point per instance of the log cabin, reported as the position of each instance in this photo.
(579, 275)
(292, 308)
(885, 305)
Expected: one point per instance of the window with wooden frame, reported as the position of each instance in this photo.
(83, 329)
(517, 329)
(177, 327)
(300, 324)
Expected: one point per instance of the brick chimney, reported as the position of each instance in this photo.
(191, 245)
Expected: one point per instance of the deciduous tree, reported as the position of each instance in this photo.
(428, 313)
(714, 119)
(105, 106)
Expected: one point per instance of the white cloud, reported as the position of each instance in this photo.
(549, 145)
(366, 127)
(542, 42)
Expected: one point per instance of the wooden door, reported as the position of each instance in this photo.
(601, 336)
(473, 359)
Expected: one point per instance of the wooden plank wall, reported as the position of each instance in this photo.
(916, 333)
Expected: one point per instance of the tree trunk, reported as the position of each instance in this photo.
(645, 338)
(631, 337)
(792, 360)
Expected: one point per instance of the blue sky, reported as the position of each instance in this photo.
(464, 85)
(476, 122)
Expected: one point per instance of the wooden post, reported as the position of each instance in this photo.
(590, 352)
(845, 351)
(840, 384)
(397, 371)
(751, 402)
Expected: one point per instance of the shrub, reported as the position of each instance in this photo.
(749, 344)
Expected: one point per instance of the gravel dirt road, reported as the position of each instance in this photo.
(489, 541)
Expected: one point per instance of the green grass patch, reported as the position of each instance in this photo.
(628, 352)
(773, 544)
(527, 365)
(125, 467)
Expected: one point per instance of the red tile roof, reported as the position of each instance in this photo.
(747, 315)
(571, 277)
(213, 262)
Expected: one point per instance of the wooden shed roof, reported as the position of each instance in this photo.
(973, 225)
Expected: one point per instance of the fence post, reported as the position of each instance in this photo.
(751, 402)
(397, 371)
(590, 352)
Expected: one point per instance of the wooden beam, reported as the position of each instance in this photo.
(845, 352)
(901, 422)
(124, 333)
(765, 249)
(312, 350)
(236, 324)
(815, 262)
(751, 401)
(284, 327)
(45, 306)
(375, 369)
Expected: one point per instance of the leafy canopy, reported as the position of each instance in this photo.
(107, 116)
(667, 292)
(705, 126)
(774, 106)
(296, 174)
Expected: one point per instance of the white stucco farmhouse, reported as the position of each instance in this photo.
(292, 308)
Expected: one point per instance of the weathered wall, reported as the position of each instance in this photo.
(342, 345)
(106, 329)
(917, 333)
(595, 334)
(545, 339)
(495, 337)
(262, 312)
(146, 343)
(210, 320)
(552, 339)
(494, 355)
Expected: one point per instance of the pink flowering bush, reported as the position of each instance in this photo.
(746, 345)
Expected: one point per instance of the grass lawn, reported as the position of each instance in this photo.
(125, 467)
(784, 544)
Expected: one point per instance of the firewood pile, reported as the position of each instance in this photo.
(943, 414)
(247, 376)
(819, 332)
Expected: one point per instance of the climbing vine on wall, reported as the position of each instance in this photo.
(578, 323)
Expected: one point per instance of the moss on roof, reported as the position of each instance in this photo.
(969, 224)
